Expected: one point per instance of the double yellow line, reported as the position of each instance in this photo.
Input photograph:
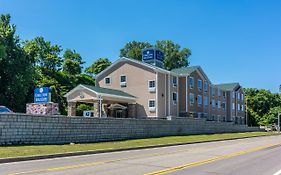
(202, 162)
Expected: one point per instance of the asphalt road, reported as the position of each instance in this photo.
(252, 156)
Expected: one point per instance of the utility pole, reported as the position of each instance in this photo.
(279, 112)
(278, 121)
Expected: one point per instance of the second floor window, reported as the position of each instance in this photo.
(213, 91)
(175, 81)
(123, 80)
(199, 84)
(233, 106)
(191, 82)
(219, 92)
(238, 107)
(151, 86)
(219, 104)
(107, 80)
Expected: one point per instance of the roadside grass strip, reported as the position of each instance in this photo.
(41, 150)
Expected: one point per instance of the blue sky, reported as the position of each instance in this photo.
(232, 40)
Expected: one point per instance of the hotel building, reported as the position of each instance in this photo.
(143, 89)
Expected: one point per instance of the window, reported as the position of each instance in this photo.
(151, 105)
(191, 82)
(238, 96)
(213, 91)
(224, 94)
(233, 106)
(123, 80)
(199, 100)
(175, 81)
(242, 96)
(175, 98)
(205, 86)
(233, 94)
(205, 101)
(238, 107)
(213, 103)
(107, 80)
(219, 92)
(151, 86)
(199, 84)
(219, 104)
(242, 107)
(191, 98)
(223, 105)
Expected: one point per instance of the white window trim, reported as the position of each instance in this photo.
(175, 84)
(198, 100)
(175, 102)
(219, 104)
(213, 90)
(191, 87)
(205, 90)
(200, 89)
(205, 97)
(123, 84)
(152, 109)
(191, 103)
(152, 89)
(110, 79)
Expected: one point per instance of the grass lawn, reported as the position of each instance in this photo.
(30, 150)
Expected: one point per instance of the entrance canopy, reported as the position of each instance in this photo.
(89, 94)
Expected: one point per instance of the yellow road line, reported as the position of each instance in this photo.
(102, 162)
(192, 150)
(202, 162)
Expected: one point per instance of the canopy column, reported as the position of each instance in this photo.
(71, 108)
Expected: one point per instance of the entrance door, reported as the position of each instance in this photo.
(119, 113)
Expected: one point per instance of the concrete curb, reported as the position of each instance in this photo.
(70, 154)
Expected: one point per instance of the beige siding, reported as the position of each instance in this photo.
(137, 78)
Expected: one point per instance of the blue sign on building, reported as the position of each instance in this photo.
(148, 54)
(159, 55)
(41, 95)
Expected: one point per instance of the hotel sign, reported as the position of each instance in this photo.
(42, 95)
(148, 54)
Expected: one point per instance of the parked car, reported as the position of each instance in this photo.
(4, 109)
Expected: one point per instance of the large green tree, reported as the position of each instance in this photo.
(16, 70)
(174, 55)
(98, 66)
(261, 106)
(72, 62)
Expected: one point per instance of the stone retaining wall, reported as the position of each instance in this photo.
(36, 129)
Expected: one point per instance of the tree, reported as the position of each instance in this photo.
(72, 62)
(133, 49)
(45, 55)
(98, 66)
(16, 70)
(261, 106)
(174, 56)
